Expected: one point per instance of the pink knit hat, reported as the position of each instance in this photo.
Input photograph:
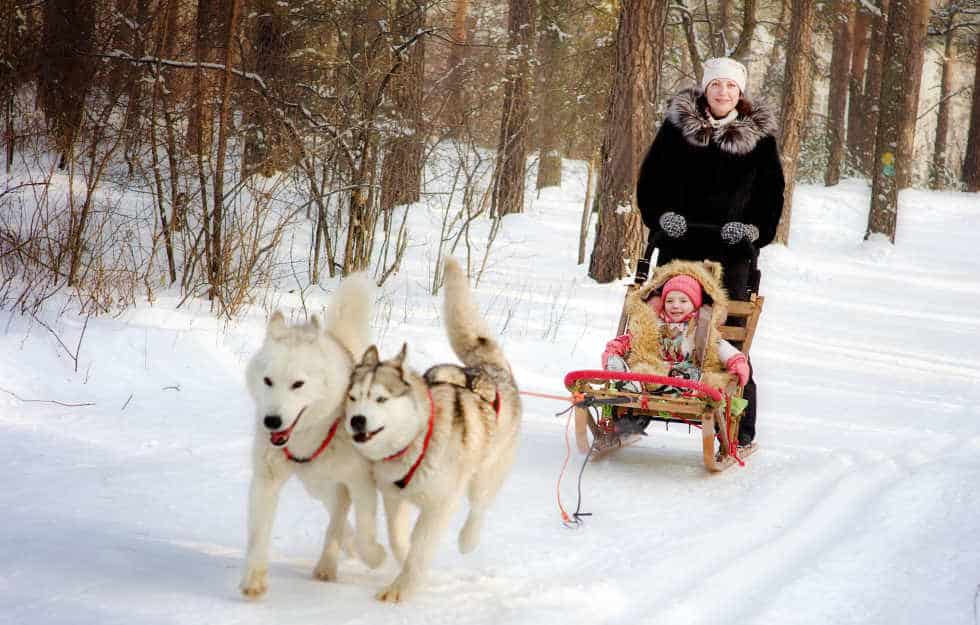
(686, 285)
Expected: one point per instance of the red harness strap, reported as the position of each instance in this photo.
(402, 483)
(323, 445)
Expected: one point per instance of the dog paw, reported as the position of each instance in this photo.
(469, 536)
(325, 571)
(254, 584)
(391, 594)
(373, 554)
(399, 590)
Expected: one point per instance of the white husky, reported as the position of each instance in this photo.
(298, 379)
(436, 437)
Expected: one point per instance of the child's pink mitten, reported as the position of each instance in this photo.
(738, 365)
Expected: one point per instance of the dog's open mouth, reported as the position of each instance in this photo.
(363, 437)
(281, 437)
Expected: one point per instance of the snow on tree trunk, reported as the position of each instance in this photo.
(629, 131)
(840, 62)
(549, 95)
(508, 181)
(872, 86)
(898, 78)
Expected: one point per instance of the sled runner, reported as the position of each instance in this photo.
(614, 417)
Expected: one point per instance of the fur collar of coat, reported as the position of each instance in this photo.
(738, 137)
(644, 325)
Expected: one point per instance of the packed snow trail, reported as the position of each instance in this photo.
(860, 507)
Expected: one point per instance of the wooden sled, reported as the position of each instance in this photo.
(700, 405)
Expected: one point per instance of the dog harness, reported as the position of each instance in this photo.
(402, 483)
(319, 450)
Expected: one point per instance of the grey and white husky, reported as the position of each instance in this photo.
(436, 437)
(297, 380)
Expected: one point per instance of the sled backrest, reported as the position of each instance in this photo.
(743, 317)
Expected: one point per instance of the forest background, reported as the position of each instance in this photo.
(239, 121)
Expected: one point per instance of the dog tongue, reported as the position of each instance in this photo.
(279, 438)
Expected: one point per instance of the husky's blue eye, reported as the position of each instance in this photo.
(298, 384)
(267, 381)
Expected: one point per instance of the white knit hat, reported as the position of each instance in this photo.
(724, 67)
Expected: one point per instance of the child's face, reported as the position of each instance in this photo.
(677, 305)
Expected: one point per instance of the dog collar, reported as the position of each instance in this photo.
(323, 445)
(402, 483)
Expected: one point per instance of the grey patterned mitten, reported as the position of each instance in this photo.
(673, 224)
(733, 232)
(752, 232)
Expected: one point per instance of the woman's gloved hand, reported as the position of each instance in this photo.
(674, 225)
(735, 231)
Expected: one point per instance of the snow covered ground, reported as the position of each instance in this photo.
(862, 505)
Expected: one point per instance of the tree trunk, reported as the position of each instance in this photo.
(749, 21)
(897, 79)
(778, 45)
(217, 214)
(937, 174)
(401, 171)
(199, 121)
(971, 159)
(857, 102)
(840, 62)
(723, 33)
(691, 35)
(872, 86)
(134, 102)
(917, 32)
(65, 69)
(508, 182)
(629, 131)
(796, 104)
(456, 65)
(549, 96)
(271, 48)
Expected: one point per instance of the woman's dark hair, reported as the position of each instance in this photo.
(744, 106)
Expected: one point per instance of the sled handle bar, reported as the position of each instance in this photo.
(658, 238)
(601, 374)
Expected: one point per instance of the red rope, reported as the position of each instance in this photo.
(565, 517)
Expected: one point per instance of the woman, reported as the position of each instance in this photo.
(711, 186)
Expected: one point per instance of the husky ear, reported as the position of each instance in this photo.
(370, 357)
(399, 360)
(277, 325)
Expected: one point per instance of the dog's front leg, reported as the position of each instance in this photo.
(398, 515)
(263, 498)
(431, 524)
(365, 498)
(337, 503)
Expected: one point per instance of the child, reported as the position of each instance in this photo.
(673, 331)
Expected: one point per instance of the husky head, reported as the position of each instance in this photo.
(382, 415)
(297, 378)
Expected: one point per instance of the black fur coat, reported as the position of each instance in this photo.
(711, 176)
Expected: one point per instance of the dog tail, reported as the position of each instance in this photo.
(468, 333)
(349, 313)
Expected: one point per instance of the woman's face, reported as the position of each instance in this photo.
(722, 95)
(677, 305)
